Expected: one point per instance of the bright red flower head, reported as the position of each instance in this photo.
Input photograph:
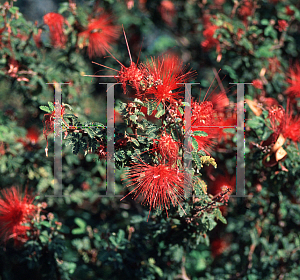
(210, 41)
(285, 123)
(131, 75)
(159, 185)
(99, 36)
(204, 118)
(15, 210)
(168, 147)
(55, 22)
(294, 81)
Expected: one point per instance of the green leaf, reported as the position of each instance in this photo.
(185, 103)
(82, 225)
(45, 108)
(150, 108)
(137, 101)
(200, 133)
(51, 106)
(13, 10)
(195, 144)
(264, 51)
(136, 142)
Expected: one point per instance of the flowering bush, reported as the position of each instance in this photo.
(173, 214)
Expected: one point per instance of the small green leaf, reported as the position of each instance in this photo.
(137, 101)
(45, 108)
(200, 133)
(195, 144)
(51, 106)
(160, 113)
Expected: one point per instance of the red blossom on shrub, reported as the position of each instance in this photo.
(258, 84)
(55, 23)
(210, 41)
(289, 11)
(167, 11)
(99, 36)
(158, 186)
(284, 122)
(131, 75)
(246, 10)
(167, 147)
(218, 246)
(101, 152)
(49, 124)
(15, 211)
(164, 77)
(282, 25)
(204, 118)
(294, 81)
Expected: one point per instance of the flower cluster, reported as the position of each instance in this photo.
(16, 211)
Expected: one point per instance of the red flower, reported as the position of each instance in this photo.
(32, 135)
(101, 152)
(218, 246)
(282, 25)
(246, 10)
(294, 80)
(289, 11)
(258, 84)
(204, 118)
(167, 11)
(210, 41)
(15, 210)
(221, 184)
(158, 185)
(99, 36)
(164, 76)
(49, 124)
(285, 123)
(168, 147)
(219, 100)
(131, 75)
(55, 22)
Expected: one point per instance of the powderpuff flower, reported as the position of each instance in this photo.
(15, 211)
(284, 122)
(159, 185)
(55, 23)
(132, 76)
(219, 100)
(221, 184)
(98, 36)
(246, 10)
(257, 84)
(204, 118)
(167, 147)
(164, 76)
(210, 41)
(282, 25)
(294, 81)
